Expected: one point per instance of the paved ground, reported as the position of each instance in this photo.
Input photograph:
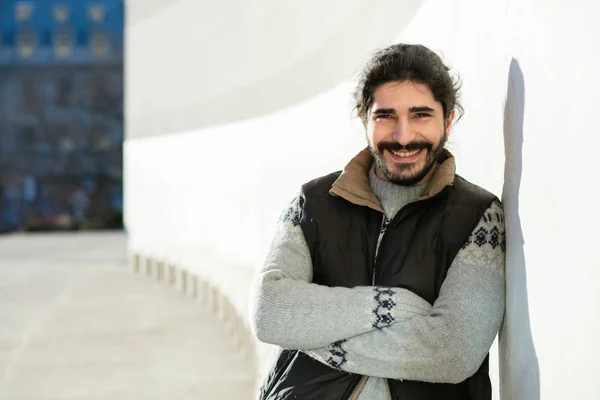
(75, 323)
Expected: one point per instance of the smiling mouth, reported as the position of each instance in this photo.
(405, 154)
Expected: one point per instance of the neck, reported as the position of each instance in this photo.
(392, 196)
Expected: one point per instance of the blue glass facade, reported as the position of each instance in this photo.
(61, 114)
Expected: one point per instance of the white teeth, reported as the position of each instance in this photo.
(405, 154)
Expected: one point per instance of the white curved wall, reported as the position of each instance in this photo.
(200, 63)
(529, 72)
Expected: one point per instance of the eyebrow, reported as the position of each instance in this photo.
(384, 111)
(412, 109)
(421, 109)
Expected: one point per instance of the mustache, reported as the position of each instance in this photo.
(395, 146)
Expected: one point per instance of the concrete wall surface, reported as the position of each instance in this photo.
(220, 137)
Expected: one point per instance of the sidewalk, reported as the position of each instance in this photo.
(75, 323)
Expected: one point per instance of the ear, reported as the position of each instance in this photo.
(449, 123)
(362, 119)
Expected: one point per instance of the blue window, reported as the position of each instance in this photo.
(26, 45)
(63, 44)
(61, 14)
(100, 44)
(23, 11)
(96, 13)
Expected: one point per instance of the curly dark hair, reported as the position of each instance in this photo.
(407, 62)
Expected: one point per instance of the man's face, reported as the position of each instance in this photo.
(406, 132)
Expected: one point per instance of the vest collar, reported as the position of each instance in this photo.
(353, 183)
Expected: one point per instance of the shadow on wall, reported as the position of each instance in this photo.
(519, 367)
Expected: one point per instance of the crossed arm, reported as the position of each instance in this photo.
(446, 342)
(289, 311)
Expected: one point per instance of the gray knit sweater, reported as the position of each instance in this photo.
(444, 342)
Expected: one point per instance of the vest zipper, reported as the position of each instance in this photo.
(384, 224)
(351, 387)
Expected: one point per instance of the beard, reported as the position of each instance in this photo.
(407, 174)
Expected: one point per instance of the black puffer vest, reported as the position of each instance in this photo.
(415, 253)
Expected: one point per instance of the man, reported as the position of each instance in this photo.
(386, 280)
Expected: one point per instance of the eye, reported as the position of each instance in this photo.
(383, 116)
(422, 115)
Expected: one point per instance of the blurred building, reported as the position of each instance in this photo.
(61, 114)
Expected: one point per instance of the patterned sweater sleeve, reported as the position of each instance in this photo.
(287, 310)
(449, 344)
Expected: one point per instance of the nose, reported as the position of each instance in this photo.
(402, 132)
